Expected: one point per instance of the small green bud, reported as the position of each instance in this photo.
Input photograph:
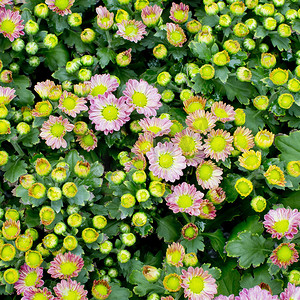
(32, 48)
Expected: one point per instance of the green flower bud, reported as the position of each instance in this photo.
(113, 273)
(74, 19)
(270, 23)
(139, 176)
(164, 78)
(263, 48)
(157, 189)
(60, 228)
(106, 247)
(278, 3)
(14, 67)
(207, 72)
(205, 37)
(142, 195)
(123, 256)
(211, 9)
(23, 128)
(193, 26)
(180, 78)
(3, 161)
(284, 30)
(268, 60)
(240, 30)
(128, 239)
(232, 46)
(153, 296)
(127, 200)
(186, 94)
(294, 85)
(221, 5)
(54, 193)
(285, 101)
(67, 85)
(99, 222)
(74, 220)
(237, 8)
(225, 21)
(12, 214)
(261, 102)
(108, 262)
(259, 203)
(50, 241)
(124, 228)
(139, 219)
(152, 274)
(32, 48)
(251, 24)
(294, 277)
(84, 74)
(243, 74)
(251, 4)
(34, 61)
(88, 35)
(135, 127)
(41, 10)
(31, 27)
(70, 242)
(167, 96)
(50, 41)
(18, 45)
(291, 14)
(267, 10)
(87, 60)
(249, 44)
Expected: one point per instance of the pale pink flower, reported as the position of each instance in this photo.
(70, 289)
(131, 30)
(11, 24)
(156, 126)
(61, 7)
(71, 104)
(291, 292)
(101, 84)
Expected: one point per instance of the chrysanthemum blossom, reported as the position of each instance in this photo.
(54, 130)
(5, 2)
(175, 254)
(131, 30)
(198, 284)
(223, 112)
(250, 160)
(71, 104)
(29, 278)
(143, 97)
(88, 141)
(43, 88)
(218, 144)
(101, 84)
(208, 174)
(61, 7)
(221, 297)
(65, 266)
(201, 121)
(42, 109)
(70, 289)
(185, 198)
(151, 14)
(101, 289)
(255, 293)
(243, 139)
(6, 95)
(284, 255)
(143, 144)
(193, 104)
(290, 293)
(11, 24)
(179, 13)
(175, 35)
(275, 176)
(109, 113)
(166, 161)
(282, 222)
(105, 19)
(156, 126)
(207, 210)
(36, 294)
(138, 162)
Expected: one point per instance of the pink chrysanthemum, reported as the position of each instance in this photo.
(71, 104)
(105, 19)
(138, 162)
(35, 294)
(291, 292)
(221, 297)
(156, 126)
(218, 144)
(284, 255)
(175, 35)
(143, 144)
(61, 7)
(101, 84)
(185, 198)
(11, 24)
(88, 141)
(166, 161)
(201, 121)
(28, 278)
(255, 293)
(70, 289)
(6, 95)
(223, 112)
(179, 13)
(151, 14)
(198, 284)
(282, 222)
(143, 97)
(54, 130)
(43, 88)
(175, 254)
(207, 210)
(5, 2)
(109, 113)
(216, 195)
(243, 139)
(65, 266)
(208, 174)
(131, 30)
(167, 298)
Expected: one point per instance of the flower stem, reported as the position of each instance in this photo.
(186, 217)
(17, 147)
(108, 37)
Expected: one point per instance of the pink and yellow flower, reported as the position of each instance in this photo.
(216, 195)
(105, 19)
(290, 293)
(101, 289)
(70, 289)
(54, 130)
(223, 112)
(35, 294)
(243, 139)
(193, 104)
(5, 2)
(43, 88)
(275, 176)
(175, 254)
(166, 161)
(101, 84)
(151, 14)
(179, 13)
(175, 35)
(131, 30)
(207, 210)
(11, 24)
(88, 141)
(208, 174)
(221, 297)
(201, 121)
(143, 144)
(61, 7)
(6, 95)
(185, 198)
(143, 97)
(156, 126)
(42, 109)
(282, 222)
(284, 255)
(256, 293)
(71, 104)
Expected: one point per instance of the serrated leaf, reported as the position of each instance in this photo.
(289, 146)
(201, 86)
(260, 32)
(292, 200)
(30, 139)
(73, 39)
(280, 42)
(217, 241)
(112, 138)
(32, 218)
(72, 158)
(194, 245)
(168, 228)
(214, 272)
(81, 196)
(250, 249)
(200, 50)
(222, 73)
(254, 120)
(118, 292)
(296, 25)
(105, 55)
(61, 74)
(228, 186)
(14, 169)
(56, 57)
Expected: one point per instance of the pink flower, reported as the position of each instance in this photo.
(291, 292)
(175, 254)
(101, 84)
(208, 174)
(33, 294)
(70, 289)
(175, 35)
(61, 7)
(156, 126)
(5, 2)
(43, 88)
(88, 141)
(105, 19)
(6, 95)
(179, 13)
(131, 30)
(71, 104)
(284, 255)
(223, 112)
(255, 293)
(151, 14)
(11, 24)
(201, 121)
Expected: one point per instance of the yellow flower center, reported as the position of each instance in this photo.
(7, 26)
(284, 253)
(24, 242)
(90, 234)
(194, 106)
(281, 226)
(57, 130)
(189, 232)
(187, 144)
(274, 175)
(285, 100)
(184, 201)
(252, 160)
(179, 15)
(196, 285)
(33, 259)
(145, 146)
(61, 4)
(166, 160)
(68, 268)
(31, 278)
(43, 108)
(105, 20)
(243, 187)
(4, 127)
(11, 231)
(218, 143)
(260, 205)
(173, 283)
(10, 277)
(131, 30)
(150, 16)
(221, 113)
(176, 36)
(201, 124)
(101, 289)
(88, 140)
(207, 71)
(205, 172)
(99, 90)
(4, 99)
(154, 129)
(69, 103)
(39, 296)
(71, 295)
(139, 99)
(110, 113)
(205, 210)
(241, 141)
(47, 215)
(175, 257)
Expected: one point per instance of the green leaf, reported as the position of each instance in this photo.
(260, 32)
(228, 186)
(289, 146)
(250, 249)
(200, 50)
(73, 39)
(72, 158)
(217, 241)
(81, 197)
(151, 74)
(112, 138)
(210, 20)
(193, 245)
(30, 139)
(292, 200)
(105, 55)
(254, 120)
(25, 97)
(168, 228)
(113, 209)
(214, 272)
(61, 74)
(201, 85)
(32, 218)
(60, 22)
(280, 42)
(14, 169)
(57, 205)
(222, 73)
(56, 57)
(296, 25)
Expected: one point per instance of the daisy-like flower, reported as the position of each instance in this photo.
(179, 13)
(6, 95)
(221, 297)
(193, 104)
(207, 210)
(105, 19)
(175, 254)
(208, 174)
(109, 113)
(255, 293)
(218, 144)
(189, 231)
(61, 7)
(151, 14)
(35, 294)
(29, 279)
(101, 289)
(216, 195)
(282, 222)
(143, 97)
(291, 292)
(143, 144)
(156, 126)
(198, 284)
(42, 109)
(11, 229)
(88, 141)
(131, 30)
(5, 2)
(223, 112)
(243, 186)
(71, 104)
(264, 139)
(172, 282)
(243, 139)
(166, 161)
(138, 162)
(175, 35)
(275, 176)
(54, 130)
(201, 121)
(101, 84)
(250, 160)
(43, 88)
(65, 266)
(185, 198)
(11, 24)
(70, 289)
(284, 255)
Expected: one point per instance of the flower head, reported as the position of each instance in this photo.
(293, 168)
(54, 130)
(185, 198)
(5, 2)
(175, 35)
(35, 294)
(131, 30)
(101, 289)
(61, 7)
(194, 103)
(101, 84)
(243, 186)
(42, 109)
(6, 95)
(223, 112)
(43, 88)
(201, 121)
(105, 19)
(264, 139)
(143, 97)
(11, 24)
(279, 76)
(151, 14)
(216, 195)
(291, 292)
(143, 144)
(156, 126)
(208, 174)
(256, 293)
(123, 59)
(243, 139)
(172, 282)
(275, 176)
(175, 254)
(179, 13)
(70, 289)
(189, 231)
(207, 210)
(250, 160)
(284, 255)
(88, 141)
(11, 229)
(71, 104)
(166, 161)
